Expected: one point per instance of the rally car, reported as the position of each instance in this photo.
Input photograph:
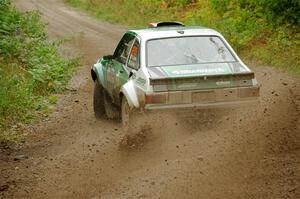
(170, 66)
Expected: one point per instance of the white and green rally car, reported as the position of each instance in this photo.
(170, 66)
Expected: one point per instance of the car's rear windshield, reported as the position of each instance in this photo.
(187, 50)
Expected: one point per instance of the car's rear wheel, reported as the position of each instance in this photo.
(125, 114)
(98, 100)
(111, 110)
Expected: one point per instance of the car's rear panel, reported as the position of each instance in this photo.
(202, 91)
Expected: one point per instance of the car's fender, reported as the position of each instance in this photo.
(129, 91)
(97, 70)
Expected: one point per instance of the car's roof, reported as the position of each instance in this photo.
(173, 31)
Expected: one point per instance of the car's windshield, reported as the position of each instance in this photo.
(187, 50)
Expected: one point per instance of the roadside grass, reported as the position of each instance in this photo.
(265, 33)
(32, 71)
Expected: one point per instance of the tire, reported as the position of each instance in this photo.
(125, 114)
(111, 110)
(98, 103)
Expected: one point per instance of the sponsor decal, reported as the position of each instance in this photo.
(201, 71)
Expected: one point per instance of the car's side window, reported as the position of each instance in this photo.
(122, 51)
(134, 57)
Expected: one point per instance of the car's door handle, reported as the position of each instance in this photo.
(121, 71)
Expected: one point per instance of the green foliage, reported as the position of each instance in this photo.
(276, 12)
(265, 31)
(30, 69)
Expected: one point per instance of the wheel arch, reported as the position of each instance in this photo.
(93, 74)
(97, 73)
(128, 90)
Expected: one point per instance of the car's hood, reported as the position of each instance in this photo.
(196, 70)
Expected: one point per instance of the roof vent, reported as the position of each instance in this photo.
(165, 24)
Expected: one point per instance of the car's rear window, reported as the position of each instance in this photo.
(187, 50)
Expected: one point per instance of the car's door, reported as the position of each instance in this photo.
(131, 67)
(117, 74)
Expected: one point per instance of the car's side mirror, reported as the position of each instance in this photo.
(108, 57)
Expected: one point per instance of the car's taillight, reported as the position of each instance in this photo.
(156, 99)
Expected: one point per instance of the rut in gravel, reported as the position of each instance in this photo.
(250, 152)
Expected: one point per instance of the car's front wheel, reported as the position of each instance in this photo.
(112, 111)
(98, 102)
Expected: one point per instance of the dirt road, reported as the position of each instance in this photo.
(252, 152)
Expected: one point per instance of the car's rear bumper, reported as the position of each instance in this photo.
(208, 98)
(227, 104)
